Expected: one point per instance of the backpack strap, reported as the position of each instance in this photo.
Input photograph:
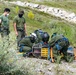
(58, 47)
(51, 50)
(48, 53)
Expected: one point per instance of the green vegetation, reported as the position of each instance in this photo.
(42, 21)
(30, 15)
(70, 6)
(64, 4)
(17, 9)
(8, 60)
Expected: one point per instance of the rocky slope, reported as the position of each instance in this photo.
(34, 66)
(58, 12)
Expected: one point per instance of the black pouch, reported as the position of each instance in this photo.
(8, 31)
(19, 29)
(0, 29)
(4, 28)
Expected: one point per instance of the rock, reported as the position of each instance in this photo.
(49, 69)
(50, 10)
(70, 17)
(20, 3)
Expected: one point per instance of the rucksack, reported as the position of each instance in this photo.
(39, 31)
(62, 43)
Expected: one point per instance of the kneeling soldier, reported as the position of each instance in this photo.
(60, 45)
(26, 43)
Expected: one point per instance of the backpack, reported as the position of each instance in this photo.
(62, 43)
(39, 31)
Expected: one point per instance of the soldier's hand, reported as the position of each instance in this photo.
(52, 60)
(0, 21)
(16, 33)
(25, 33)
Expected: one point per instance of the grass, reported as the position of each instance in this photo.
(43, 21)
(65, 4)
(70, 6)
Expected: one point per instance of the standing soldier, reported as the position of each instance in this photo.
(19, 26)
(4, 21)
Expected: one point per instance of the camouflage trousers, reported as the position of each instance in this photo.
(58, 56)
(25, 49)
(5, 39)
(21, 34)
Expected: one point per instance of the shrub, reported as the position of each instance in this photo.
(16, 9)
(31, 15)
(7, 62)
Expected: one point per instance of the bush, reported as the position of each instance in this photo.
(7, 62)
(16, 9)
(30, 15)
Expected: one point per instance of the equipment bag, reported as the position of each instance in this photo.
(63, 42)
(40, 32)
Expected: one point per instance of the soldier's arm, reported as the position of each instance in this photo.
(0, 24)
(15, 29)
(0, 20)
(39, 37)
(14, 23)
(52, 42)
(25, 27)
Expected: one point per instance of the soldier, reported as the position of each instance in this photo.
(4, 21)
(38, 33)
(20, 26)
(37, 48)
(27, 42)
(60, 44)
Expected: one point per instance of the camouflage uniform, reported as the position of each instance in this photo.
(39, 38)
(39, 33)
(25, 44)
(20, 27)
(59, 46)
(5, 29)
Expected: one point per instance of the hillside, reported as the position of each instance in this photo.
(12, 62)
(65, 4)
(45, 22)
